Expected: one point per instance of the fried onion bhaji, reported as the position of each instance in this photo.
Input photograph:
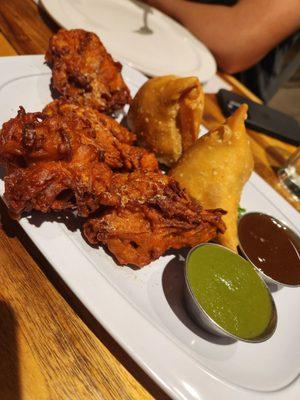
(151, 214)
(73, 157)
(64, 157)
(84, 72)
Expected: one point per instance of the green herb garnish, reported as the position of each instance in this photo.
(241, 211)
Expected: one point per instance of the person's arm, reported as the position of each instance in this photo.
(238, 36)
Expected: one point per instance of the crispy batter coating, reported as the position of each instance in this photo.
(56, 186)
(73, 157)
(151, 214)
(65, 157)
(84, 72)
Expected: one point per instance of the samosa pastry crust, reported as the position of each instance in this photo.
(215, 169)
(166, 114)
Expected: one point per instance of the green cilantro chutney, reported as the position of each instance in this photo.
(230, 291)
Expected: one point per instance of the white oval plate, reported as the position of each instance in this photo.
(169, 49)
(143, 309)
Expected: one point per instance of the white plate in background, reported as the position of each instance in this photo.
(169, 49)
(142, 309)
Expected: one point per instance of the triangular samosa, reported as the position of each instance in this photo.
(215, 169)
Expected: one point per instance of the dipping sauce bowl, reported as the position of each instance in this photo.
(226, 296)
(272, 247)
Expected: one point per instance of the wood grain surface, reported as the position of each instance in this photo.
(46, 350)
(51, 347)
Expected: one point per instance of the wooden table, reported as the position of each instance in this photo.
(50, 345)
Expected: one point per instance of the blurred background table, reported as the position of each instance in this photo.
(51, 347)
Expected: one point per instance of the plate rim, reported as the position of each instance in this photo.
(204, 75)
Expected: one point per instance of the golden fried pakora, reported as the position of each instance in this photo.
(151, 215)
(73, 157)
(64, 158)
(84, 72)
